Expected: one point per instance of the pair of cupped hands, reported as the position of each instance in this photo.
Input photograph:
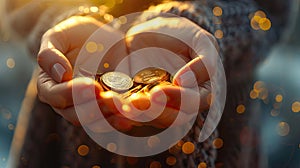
(61, 45)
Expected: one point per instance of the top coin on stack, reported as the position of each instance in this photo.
(116, 81)
(151, 75)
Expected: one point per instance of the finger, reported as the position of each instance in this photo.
(51, 56)
(176, 34)
(183, 99)
(171, 117)
(60, 95)
(109, 103)
(192, 74)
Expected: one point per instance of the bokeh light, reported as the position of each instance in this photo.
(240, 109)
(296, 107)
(112, 147)
(259, 21)
(91, 47)
(171, 160)
(218, 143)
(96, 166)
(10, 62)
(202, 165)
(264, 24)
(83, 150)
(155, 164)
(283, 128)
(188, 148)
(219, 34)
(217, 11)
(278, 98)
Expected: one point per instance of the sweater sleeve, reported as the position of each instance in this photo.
(241, 46)
(29, 21)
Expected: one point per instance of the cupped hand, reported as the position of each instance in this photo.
(191, 89)
(59, 50)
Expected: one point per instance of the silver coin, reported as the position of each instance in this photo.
(116, 81)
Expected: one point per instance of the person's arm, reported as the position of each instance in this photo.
(29, 20)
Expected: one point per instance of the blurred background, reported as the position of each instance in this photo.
(272, 110)
(15, 71)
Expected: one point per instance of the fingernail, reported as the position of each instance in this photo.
(187, 79)
(57, 72)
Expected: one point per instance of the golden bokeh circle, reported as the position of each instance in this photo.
(188, 148)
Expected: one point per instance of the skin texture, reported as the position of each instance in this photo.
(61, 45)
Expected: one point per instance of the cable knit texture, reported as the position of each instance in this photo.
(52, 142)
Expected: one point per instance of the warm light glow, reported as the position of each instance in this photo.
(219, 34)
(155, 164)
(254, 24)
(83, 150)
(296, 107)
(107, 95)
(91, 47)
(94, 9)
(188, 148)
(110, 3)
(96, 166)
(218, 143)
(240, 109)
(106, 65)
(202, 165)
(217, 11)
(86, 10)
(256, 18)
(265, 24)
(253, 94)
(171, 160)
(108, 17)
(258, 86)
(260, 21)
(112, 147)
(278, 98)
(10, 62)
(119, 1)
(126, 108)
(122, 20)
(283, 128)
(260, 14)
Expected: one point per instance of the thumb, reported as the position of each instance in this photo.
(192, 74)
(51, 58)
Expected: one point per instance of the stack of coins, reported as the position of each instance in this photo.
(142, 81)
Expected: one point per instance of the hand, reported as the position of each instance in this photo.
(192, 81)
(60, 47)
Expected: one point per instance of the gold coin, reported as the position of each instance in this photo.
(151, 75)
(116, 81)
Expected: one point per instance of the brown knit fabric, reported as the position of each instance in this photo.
(53, 142)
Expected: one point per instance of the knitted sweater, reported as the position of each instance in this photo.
(53, 142)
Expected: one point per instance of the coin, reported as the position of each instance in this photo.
(151, 75)
(116, 81)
